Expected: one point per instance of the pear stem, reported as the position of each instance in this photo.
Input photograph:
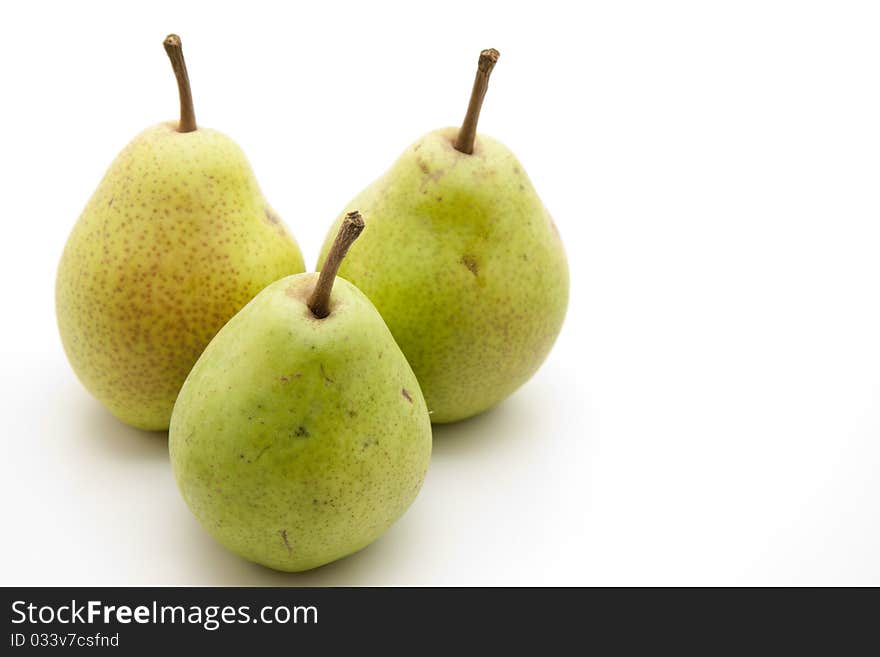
(174, 48)
(319, 301)
(468, 132)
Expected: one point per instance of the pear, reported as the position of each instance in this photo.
(301, 433)
(464, 263)
(174, 241)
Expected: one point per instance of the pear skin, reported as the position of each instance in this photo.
(299, 439)
(176, 239)
(465, 265)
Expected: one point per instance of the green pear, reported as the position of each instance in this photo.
(301, 434)
(175, 240)
(464, 263)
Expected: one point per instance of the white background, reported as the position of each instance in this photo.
(711, 411)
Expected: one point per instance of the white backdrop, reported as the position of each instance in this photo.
(711, 411)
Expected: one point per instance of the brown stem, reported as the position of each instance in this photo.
(468, 132)
(175, 53)
(319, 301)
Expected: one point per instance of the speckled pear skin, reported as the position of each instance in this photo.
(297, 441)
(466, 267)
(175, 240)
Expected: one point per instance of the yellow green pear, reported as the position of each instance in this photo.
(464, 263)
(301, 434)
(176, 239)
